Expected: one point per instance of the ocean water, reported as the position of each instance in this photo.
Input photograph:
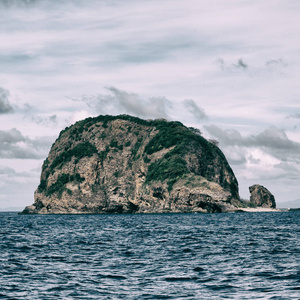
(169, 256)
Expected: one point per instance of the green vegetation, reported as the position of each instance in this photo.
(83, 125)
(43, 185)
(170, 133)
(136, 147)
(77, 178)
(146, 159)
(246, 203)
(176, 134)
(85, 149)
(173, 166)
(168, 168)
(59, 185)
(103, 154)
(196, 181)
(114, 144)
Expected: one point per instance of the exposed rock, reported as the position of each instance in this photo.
(261, 197)
(123, 164)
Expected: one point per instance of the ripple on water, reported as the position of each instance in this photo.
(179, 256)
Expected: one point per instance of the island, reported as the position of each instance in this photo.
(124, 164)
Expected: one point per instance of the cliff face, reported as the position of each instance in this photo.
(123, 164)
(261, 196)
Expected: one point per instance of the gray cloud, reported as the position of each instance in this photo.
(45, 121)
(275, 138)
(226, 137)
(228, 67)
(7, 171)
(195, 110)
(294, 116)
(276, 63)
(14, 145)
(5, 106)
(273, 141)
(241, 64)
(121, 102)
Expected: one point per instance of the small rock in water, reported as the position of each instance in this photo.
(261, 196)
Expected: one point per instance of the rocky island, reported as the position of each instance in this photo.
(261, 196)
(123, 164)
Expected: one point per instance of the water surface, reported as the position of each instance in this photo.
(168, 256)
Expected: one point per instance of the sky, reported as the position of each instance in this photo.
(230, 68)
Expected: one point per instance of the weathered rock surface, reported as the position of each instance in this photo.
(261, 197)
(123, 164)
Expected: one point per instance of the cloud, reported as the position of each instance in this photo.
(276, 139)
(121, 102)
(17, 3)
(271, 137)
(258, 68)
(226, 137)
(273, 142)
(195, 110)
(5, 106)
(45, 121)
(26, 180)
(7, 171)
(294, 116)
(241, 64)
(276, 63)
(14, 145)
(268, 158)
(53, 50)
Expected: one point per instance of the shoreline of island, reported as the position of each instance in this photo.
(261, 209)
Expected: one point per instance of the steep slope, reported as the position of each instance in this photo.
(124, 164)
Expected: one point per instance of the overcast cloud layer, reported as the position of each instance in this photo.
(230, 68)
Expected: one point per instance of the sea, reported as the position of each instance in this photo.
(150, 256)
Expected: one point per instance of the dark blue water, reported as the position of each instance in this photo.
(179, 256)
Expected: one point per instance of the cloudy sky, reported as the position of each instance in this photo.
(230, 68)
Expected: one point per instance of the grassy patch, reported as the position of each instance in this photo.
(59, 185)
(168, 168)
(85, 149)
(136, 147)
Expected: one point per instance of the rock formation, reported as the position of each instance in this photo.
(123, 164)
(261, 197)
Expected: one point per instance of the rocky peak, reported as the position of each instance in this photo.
(126, 164)
(261, 196)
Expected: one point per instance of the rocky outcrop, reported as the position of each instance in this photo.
(261, 197)
(123, 164)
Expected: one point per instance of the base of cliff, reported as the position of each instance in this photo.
(212, 207)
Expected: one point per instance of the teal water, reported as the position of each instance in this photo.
(169, 256)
